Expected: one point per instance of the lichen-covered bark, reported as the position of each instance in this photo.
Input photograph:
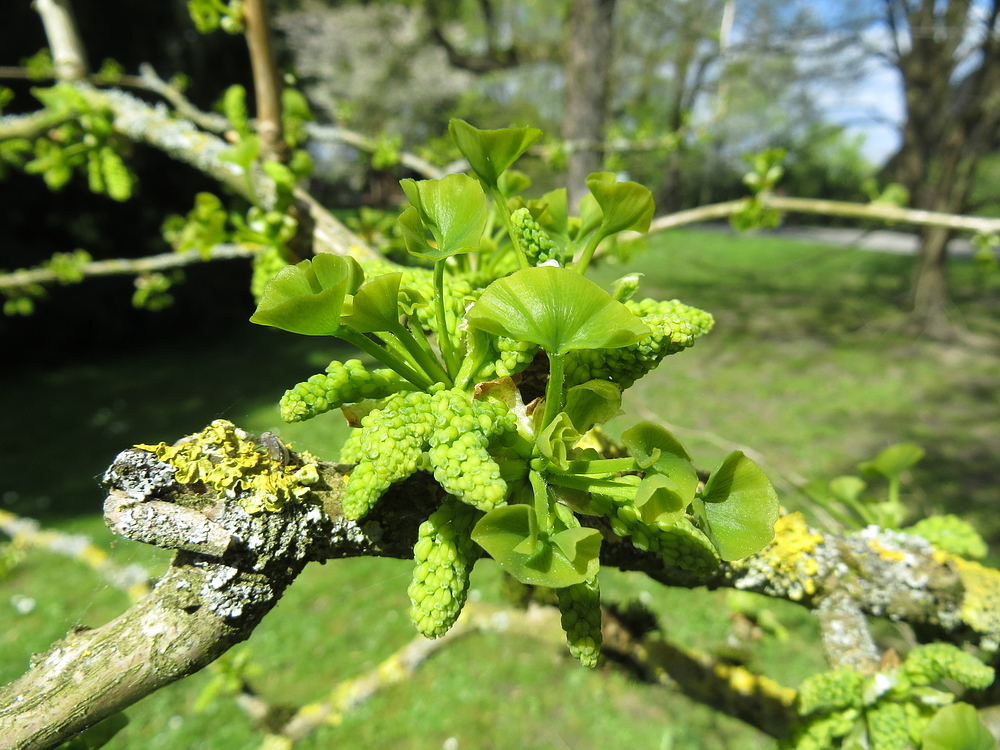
(232, 566)
(230, 570)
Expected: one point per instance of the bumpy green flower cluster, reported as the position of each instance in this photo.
(951, 534)
(888, 727)
(510, 356)
(450, 425)
(820, 733)
(831, 702)
(675, 326)
(834, 690)
(536, 244)
(580, 610)
(458, 448)
(679, 543)
(445, 554)
(342, 383)
(937, 661)
(390, 445)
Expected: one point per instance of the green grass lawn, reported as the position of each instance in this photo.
(806, 366)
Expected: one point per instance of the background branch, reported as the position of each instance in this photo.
(135, 266)
(68, 53)
(266, 84)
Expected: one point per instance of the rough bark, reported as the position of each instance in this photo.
(231, 567)
(230, 570)
(952, 118)
(588, 77)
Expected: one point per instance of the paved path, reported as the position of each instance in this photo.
(880, 240)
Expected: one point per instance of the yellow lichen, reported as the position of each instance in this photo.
(227, 460)
(787, 562)
(981, 601)
(885, 553)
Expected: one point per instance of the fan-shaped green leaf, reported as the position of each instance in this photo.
(655, 449)
(510, 536)
(557, 309)
(454, 209)
(307, 298)
(375, 306)
(593, 402)
(659, 499)
(894, 460)
(490, 152)
(957, 727)
(626, 205)
(739, 507)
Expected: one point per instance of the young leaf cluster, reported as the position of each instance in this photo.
(505, 293)
(82, 140)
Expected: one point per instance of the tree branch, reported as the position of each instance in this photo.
(734, 690)
(232, 567)
(60, 29)
(27, 533)
(369, 145)
(210, 121)
(879, 211)
(266, 84)
(134, 266)
(182, 140)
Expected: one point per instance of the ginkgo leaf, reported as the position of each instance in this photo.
(556, 308)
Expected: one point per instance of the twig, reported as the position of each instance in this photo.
(734, 690)
(136, 266)
(266, 84)
(28, 533)
(210, 121)
(369, 145)
(68, 53)
(535, 622)
(879, 211)
(135, 82)
(756, 700)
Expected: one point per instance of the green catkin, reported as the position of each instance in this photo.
(445, 554)
(836, 689)
(117, 180)
(450, 425)
(938, 661)
(342, 383)
(350, 452)
(391, 445)
(888, 727)
(95, 174)
(680, 543)
(514, 355)
(820, 733)
(458, 448)
(675, 326)
(536, 244)
(580, 614)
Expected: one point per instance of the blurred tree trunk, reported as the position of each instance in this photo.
(948, 55)
(588, 53)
